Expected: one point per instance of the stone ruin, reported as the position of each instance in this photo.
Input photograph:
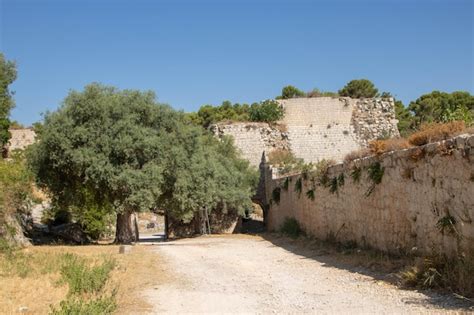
(315, 128)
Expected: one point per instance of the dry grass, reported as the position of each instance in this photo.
(428, 133)
(436, 132)
(33, 281)
(383, 146)
(357, 154)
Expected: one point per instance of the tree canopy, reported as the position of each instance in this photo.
(266, 111)
(7, 76)
(361, 88)
(124, 152)
(290, 91)
(443, 107)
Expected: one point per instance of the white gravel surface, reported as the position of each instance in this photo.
(248, 274)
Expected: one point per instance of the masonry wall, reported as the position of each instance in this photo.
(316, 128)
(419, 188)
(21, 138)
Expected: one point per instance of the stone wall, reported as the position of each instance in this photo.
(420, 188)
(20, 139)
(316, 128)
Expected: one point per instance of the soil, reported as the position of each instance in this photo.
(269, 274)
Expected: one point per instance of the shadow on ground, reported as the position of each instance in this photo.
(376, 265)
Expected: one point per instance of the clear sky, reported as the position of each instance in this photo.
(203, 52)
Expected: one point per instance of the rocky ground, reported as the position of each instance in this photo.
(253, 274)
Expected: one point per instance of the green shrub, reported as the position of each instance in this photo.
(291, 228)
(81, 278)
(77, 306)
(267, 111)
(290, 91)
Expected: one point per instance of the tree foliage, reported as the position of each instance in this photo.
(290, 91)
(361, 88)
(443, 107)
(266, 111)
(7, 76)
(122, 151)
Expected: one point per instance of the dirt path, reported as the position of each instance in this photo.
(248, 274)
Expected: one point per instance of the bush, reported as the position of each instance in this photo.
(267, 111)
(16, 184)
(285, 161)
(291, 228)
(81, 278)
(290, 91)
(436, 132)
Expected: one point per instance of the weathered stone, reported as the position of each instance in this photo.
(400, 213)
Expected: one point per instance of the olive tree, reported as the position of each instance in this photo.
(127, 153)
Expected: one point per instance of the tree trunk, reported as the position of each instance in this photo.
(126, 231)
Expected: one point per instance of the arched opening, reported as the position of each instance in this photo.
(254, 221)
(151, 226)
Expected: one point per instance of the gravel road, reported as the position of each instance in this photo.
(249, 274)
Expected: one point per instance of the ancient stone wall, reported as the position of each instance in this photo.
(20, 139)
(422, 190)
(316, 128)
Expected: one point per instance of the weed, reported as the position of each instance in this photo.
(310, 194)
(291, 228)
(286, 183)
(355, 174)
(299, 185)
(340, 180)
(454, 274)
(447, 223)
(276, 194)
(333, 185)
(84, 279)
(76, 306)
(376, 172)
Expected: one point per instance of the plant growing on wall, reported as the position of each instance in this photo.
(447, 224)
(286, 183)
(355, 174)
(299, 185)
(333, 185)
(376, 172)
(310, 194)
(276, 194)
(340, 180)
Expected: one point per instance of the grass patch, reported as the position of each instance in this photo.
(440, 272)
(76, 306)
(43, 269)
(83, 278)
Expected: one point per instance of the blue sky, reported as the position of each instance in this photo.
(203, 52)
